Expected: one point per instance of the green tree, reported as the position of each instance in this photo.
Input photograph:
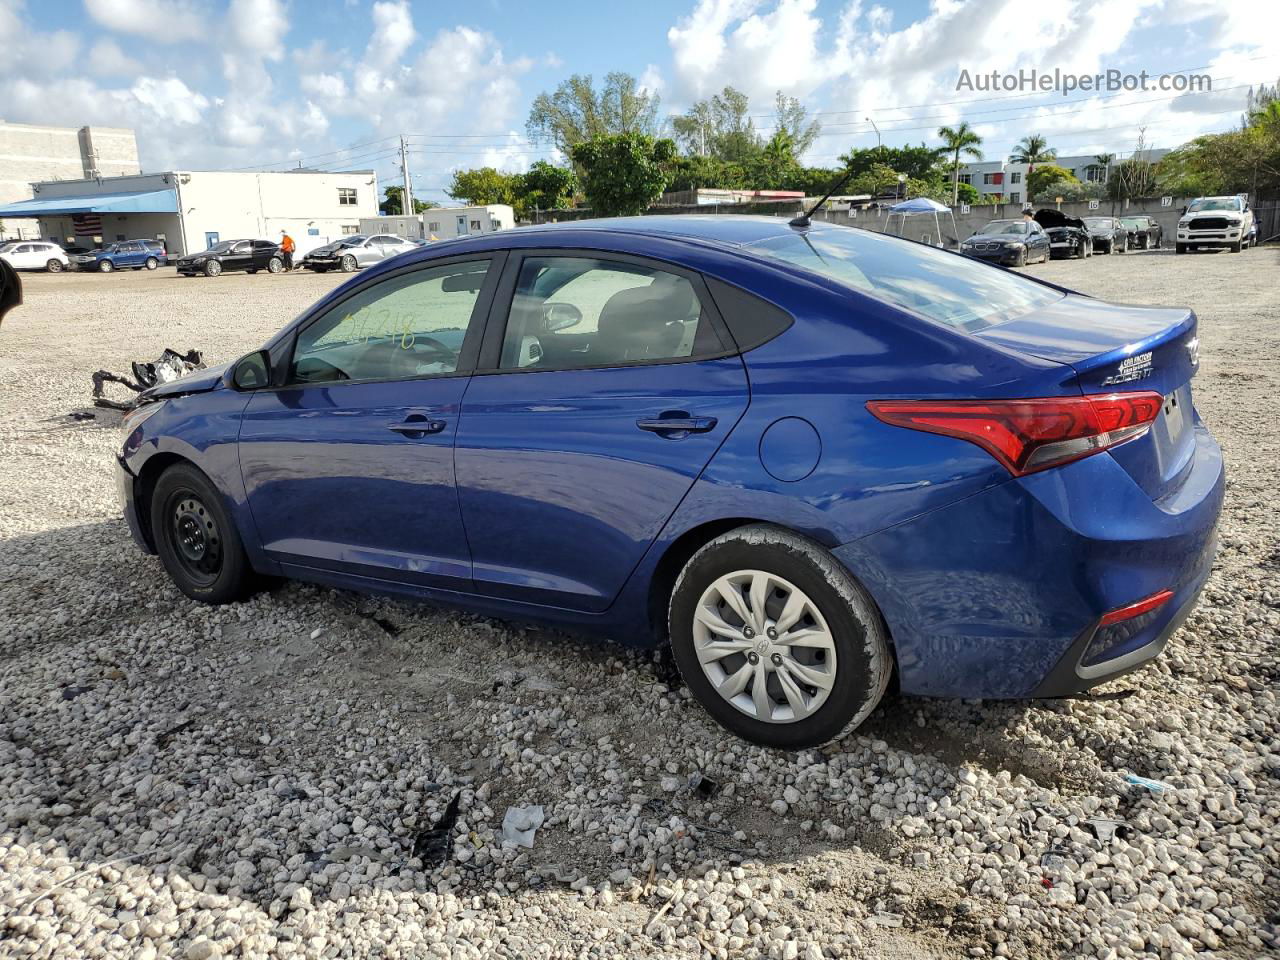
(544, 187)
(623, 173)
(966, 193)
(720, 126)
(483, 186)
(576, 111)
(1032, 150)
(918, 163)
(775, 165)
(956, 141)
(393, 205)
(791, 117)
(1039, 179)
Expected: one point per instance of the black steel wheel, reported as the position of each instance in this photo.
(196, 538)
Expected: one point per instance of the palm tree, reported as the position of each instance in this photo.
(1031, 150)
(958, 140)
(1105, 160)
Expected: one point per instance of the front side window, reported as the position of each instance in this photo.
(412, 325)
(932, 283)
(572, 312)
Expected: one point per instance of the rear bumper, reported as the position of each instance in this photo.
(1000, 595)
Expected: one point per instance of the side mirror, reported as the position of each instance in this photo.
(252, 372)
(10, 288)
(560, 316)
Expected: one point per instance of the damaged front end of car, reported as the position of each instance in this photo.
(169, 367)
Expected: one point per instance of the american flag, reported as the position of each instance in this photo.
(87, 224)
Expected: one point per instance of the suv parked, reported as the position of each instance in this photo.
(1215, 222)
(352, 253)
(248, 255)
(34, 255)
(131, 254)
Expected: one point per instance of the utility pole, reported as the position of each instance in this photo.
(406, 206)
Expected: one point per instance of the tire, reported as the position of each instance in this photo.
(348, 263)
(105, 266)
(835, 610)
(1235, 247)
(54, 266)
(152, 263)
(251, 271)
(1021, 261)
(275, 265)
(196, 539)
(212, 268)
(1179, 248)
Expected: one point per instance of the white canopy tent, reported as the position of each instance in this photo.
(921, 206)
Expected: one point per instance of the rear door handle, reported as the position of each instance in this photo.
(416, 425)
(670, 425)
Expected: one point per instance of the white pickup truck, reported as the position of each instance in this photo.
(1215, 222)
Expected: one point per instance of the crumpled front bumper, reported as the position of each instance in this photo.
(126, 485)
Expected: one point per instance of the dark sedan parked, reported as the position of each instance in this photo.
(1144, 232)
(1068, 236)
(1014, 243)
(247, 255)
(1108, 234)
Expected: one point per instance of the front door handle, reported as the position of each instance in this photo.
(678, 425)
(416, 425)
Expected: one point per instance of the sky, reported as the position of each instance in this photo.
(333, 84)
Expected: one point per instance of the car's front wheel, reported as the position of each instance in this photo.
(106, 266)
(348, 263)
(776, 640)
(196, 539)
(212, 268)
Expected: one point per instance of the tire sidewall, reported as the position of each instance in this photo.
(232, 580)
(54, 266)
(348, 264)
(212, 268)
(106, 266)
(860, 682)
(152, 263)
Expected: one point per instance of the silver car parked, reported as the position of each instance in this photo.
(352, 253)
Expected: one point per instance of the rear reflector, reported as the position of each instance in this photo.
(1030, 435)
(1136, 609)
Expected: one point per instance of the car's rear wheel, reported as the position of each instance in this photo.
(212, 268)
(1021, 259)
(106, 266)
(196, 539)
(776, 640)
(54, 266)
(152, 263)
(275, 265)
(348, 263)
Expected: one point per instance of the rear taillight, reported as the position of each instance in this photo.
(1030, 435)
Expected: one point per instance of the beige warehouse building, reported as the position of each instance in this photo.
(34, 152)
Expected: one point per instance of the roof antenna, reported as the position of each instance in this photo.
(803, 219)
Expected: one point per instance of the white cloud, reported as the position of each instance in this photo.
(329, 86)
(169, 100)
(393, 34)
(106, 59)
(259, 26)
(164, 21)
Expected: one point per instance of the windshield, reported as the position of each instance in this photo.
(1005, 226)
(1214, 203)
(932, 283)
(1134, 223)
(1104, 222)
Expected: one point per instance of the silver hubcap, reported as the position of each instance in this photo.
(765, 646)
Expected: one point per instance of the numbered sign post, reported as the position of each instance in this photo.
(1166, 201)
(1093, 204)
(964, 208)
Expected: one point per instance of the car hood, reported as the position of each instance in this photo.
(1050, 218)
(200, 381)
(988, 237)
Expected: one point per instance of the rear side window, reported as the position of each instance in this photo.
(932, 283)
(572, 312)
(751, 321)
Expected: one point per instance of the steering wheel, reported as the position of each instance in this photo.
(403, 356)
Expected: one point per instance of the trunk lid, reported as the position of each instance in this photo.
(1116, 348)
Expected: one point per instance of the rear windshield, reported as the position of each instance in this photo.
(940, 286)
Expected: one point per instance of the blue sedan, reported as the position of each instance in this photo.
(810, 458)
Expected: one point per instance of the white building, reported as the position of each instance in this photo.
(33, 152)
(444, 223)
(1009, 180)
(191, 210)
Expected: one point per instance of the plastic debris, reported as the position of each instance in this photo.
(431, 846)
(1106, 830)
(883, 919)
(1155, 786)
(521, 823)
(167, 367)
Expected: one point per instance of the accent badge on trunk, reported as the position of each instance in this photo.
(1137, 367)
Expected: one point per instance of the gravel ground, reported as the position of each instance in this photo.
(263, 779)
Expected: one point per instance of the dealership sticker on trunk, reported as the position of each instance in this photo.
(1137, 367)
